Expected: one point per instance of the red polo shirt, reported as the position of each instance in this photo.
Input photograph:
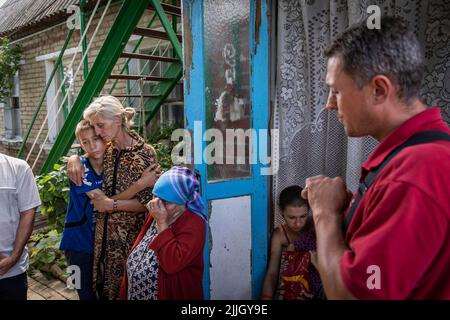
(399, 236)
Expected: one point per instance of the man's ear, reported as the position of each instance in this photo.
(382, 87)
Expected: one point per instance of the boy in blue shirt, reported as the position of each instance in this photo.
(78, 236)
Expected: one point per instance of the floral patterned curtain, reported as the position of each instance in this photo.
(312, 141)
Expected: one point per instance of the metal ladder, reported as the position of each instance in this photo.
(124, 26)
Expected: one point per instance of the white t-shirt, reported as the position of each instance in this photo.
(18, 193)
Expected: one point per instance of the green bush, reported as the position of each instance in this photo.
(163, 145)
(54, 191)
(9, 64)
(44, 244)
(45, 253)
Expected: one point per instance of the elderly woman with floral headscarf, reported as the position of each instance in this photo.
(166, 261)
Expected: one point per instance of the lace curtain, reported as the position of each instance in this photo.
(312, 141)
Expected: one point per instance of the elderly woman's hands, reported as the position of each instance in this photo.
(160, 214)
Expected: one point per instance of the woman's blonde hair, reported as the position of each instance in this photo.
(109, 107)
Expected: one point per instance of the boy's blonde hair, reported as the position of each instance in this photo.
(109, 107)
(83, 125)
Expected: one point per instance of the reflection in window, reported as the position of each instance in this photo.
(227, 75)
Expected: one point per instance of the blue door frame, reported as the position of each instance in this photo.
(195, 110)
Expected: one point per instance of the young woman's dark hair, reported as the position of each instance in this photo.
(291, 196)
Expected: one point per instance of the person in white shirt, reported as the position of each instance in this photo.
(19, 198)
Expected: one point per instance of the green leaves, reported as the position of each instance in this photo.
(163, 152)
(45, 250)
(9, 64)
(48, 257)
(54, 191)
(161, 142)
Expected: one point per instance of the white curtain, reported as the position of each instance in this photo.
(312, 141)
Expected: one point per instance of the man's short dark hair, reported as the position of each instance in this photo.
(291, 196)
(393, 51)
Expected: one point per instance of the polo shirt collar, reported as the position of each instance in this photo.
(425, 120)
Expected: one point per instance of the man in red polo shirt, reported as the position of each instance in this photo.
(397, 243)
